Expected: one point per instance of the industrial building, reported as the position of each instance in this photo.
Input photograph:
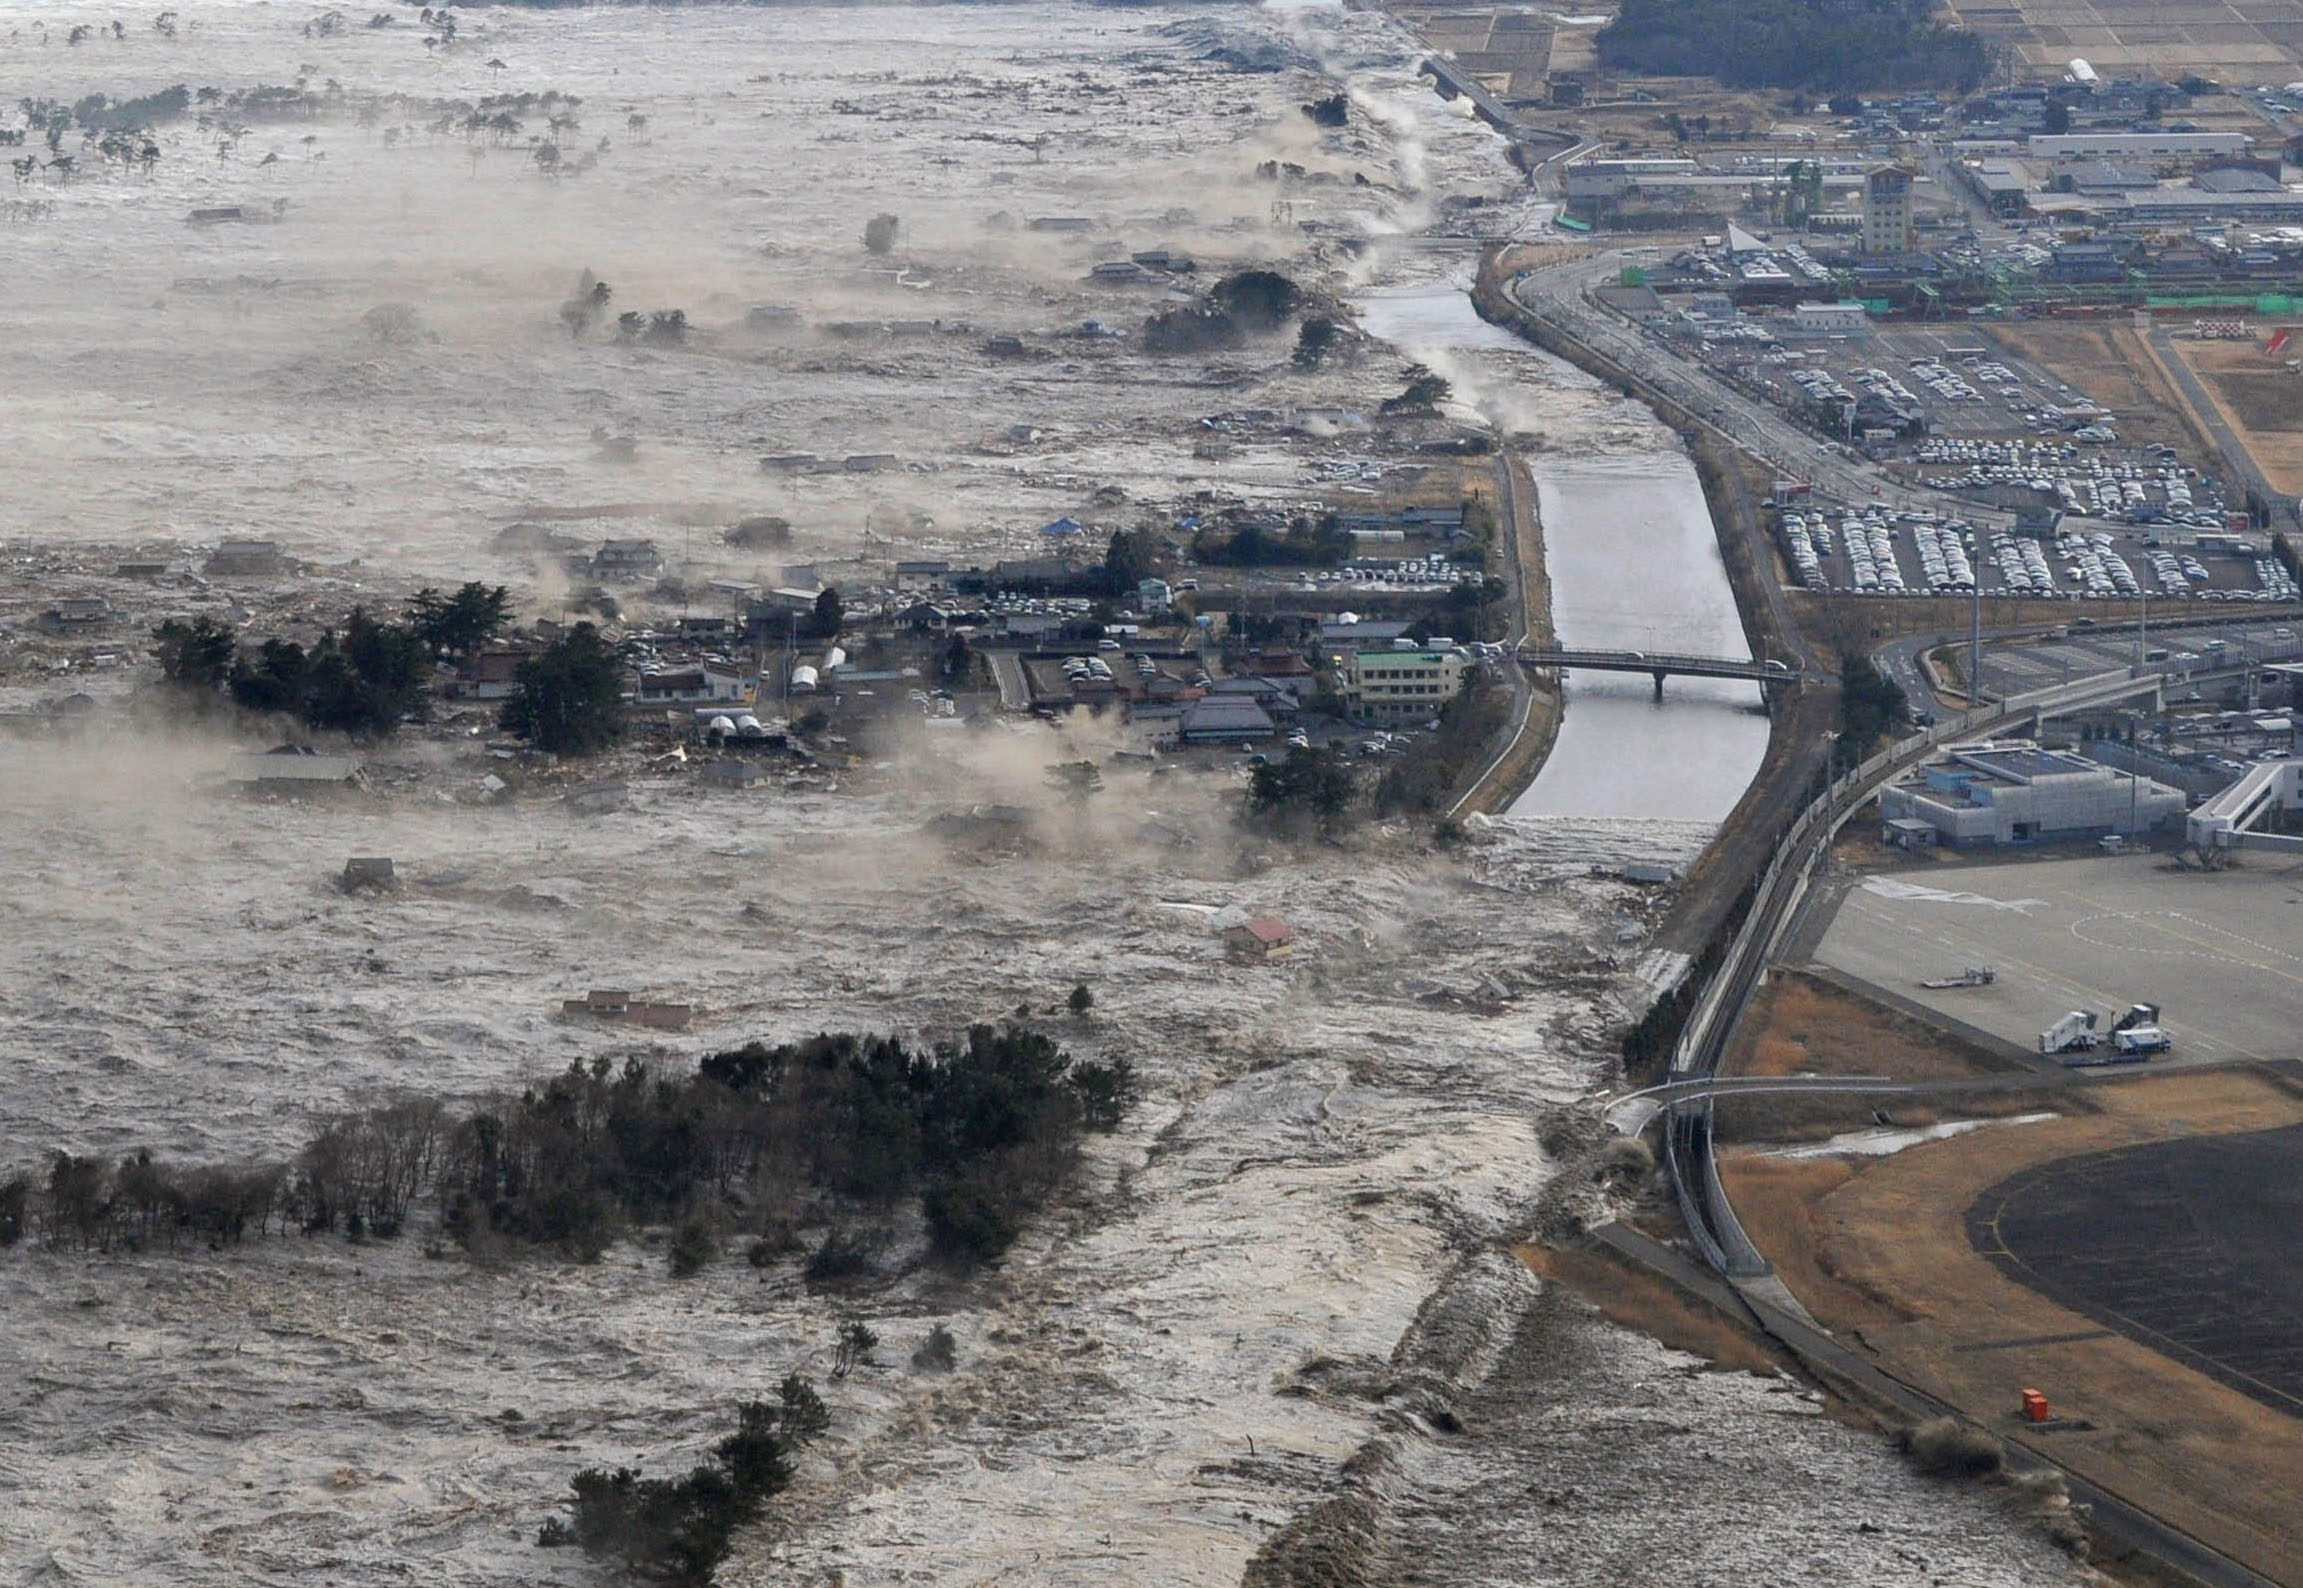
(2013, 792)
(293, 769)
(702, 681)
(246, 559)
(2138, 145)
(1396, 685)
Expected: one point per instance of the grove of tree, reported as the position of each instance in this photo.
(1827, 45)
(570, 700)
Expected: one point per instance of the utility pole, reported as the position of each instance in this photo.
(1975, 652)
(2142, 620)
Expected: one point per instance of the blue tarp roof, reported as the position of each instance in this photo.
(1064, 526)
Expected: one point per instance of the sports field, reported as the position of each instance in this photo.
(2186, 1245)
(2133, 1259)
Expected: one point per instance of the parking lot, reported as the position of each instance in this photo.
(2217, 951)
(2077, 474)
(1967, 388)
(1870, 550)
(2014, 669)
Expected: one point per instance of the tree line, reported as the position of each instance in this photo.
(375, 673)
(1872, 706)
(364, 679)
(1827, 45)
(764, 1139)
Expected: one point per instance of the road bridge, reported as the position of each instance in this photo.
(1453, 80)
(1657, 664)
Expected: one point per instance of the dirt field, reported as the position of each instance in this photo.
(2262, 400)
(1641, 1301)
(2245, 41)
(1509, 50)
(1798, 1025)
(1882, 1253)
(2110, 364)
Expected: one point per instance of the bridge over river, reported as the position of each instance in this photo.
(1659, 665)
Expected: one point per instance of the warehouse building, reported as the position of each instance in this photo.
(2012, 792)
(2138, 145)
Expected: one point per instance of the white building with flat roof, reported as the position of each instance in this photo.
(1399, 685)
(2138, 145)
(1830, 318)
(2010, 791)
(1887, 225)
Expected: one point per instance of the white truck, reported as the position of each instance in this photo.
(2074, 1033)
(2138, 1032)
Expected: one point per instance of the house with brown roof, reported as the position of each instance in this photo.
(1260, 941)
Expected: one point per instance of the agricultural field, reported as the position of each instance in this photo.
(2227, 41)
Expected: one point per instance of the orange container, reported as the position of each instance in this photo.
(2034, 1406)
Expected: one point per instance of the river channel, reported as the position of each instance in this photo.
(1634, 565)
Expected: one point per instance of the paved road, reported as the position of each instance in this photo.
(1523, 696)
(1632, 1112)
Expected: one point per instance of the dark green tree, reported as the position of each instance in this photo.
(364, 682)
(278, 679)
(197, 655)
(1831, 45)
(1313, 341)
(1105, 1090)
(1132, 557)
(829, 615)
(804, 1415)
(1259, 300)
(1422, 394)
(459, 624)
(570, 699)
(1871, 706)
(368, 681)
(1312, 784)
(693, 1248)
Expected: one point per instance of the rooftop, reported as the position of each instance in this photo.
(2024, 763)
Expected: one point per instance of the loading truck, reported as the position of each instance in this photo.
(2138, 1032)
(2074, 1033)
